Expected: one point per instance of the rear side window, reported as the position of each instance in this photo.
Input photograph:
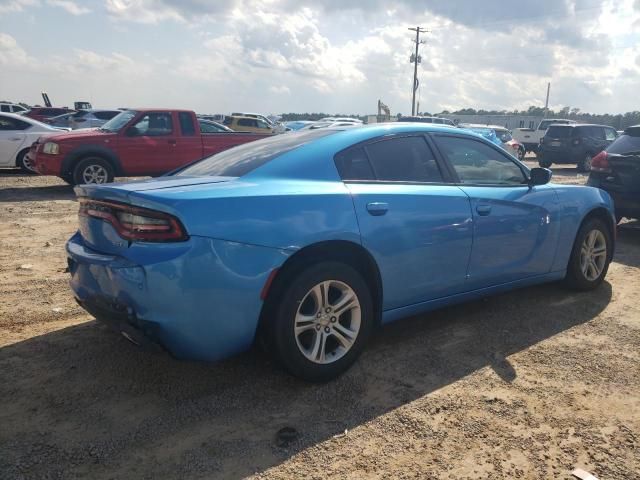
(240, 160)
(559, 131)
(186, 124)
(609, 134)
(625, 144)
(5, 108)
(403, 159)
(478, 163)
(353, 164)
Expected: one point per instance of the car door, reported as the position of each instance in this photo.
(12, 139)
(417, 226)
(147, 146)
(515, 226)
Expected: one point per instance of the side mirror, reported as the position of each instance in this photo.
(539, 176)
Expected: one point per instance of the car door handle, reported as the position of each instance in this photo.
(377, 208)
(483, 210)
(171, 142)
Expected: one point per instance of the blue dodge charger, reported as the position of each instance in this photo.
(310, 241)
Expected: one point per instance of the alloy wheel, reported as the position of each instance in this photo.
(593, 255)
(327, 322)
(95, 174)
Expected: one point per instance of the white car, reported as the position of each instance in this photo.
(13, 108)
(17, 133)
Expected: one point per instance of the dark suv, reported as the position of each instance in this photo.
(617, 171)
(576, 144)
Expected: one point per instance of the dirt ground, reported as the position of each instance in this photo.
(529, 384)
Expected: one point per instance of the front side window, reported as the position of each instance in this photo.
(153, 124)
(247, 122)
(478, 163)
(403, 159)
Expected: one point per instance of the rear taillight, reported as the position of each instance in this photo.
(135, 223)
(600, 163)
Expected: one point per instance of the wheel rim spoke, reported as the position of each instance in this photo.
(593, 255)
(327, 321)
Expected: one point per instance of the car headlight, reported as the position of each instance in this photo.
(51, 148)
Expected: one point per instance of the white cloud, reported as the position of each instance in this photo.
(11, 54)
(68, 5)
(7, 6)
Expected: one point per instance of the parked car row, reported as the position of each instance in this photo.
(134, 142)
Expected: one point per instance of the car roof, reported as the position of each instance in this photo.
(582, 125)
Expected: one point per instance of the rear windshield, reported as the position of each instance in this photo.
(559, 131)
(240, 160)
(625, 144)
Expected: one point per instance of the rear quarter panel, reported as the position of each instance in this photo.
(576, 202)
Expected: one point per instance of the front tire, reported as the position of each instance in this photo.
(590, 257)
(93, 170)
(321, 321)
(23, 163)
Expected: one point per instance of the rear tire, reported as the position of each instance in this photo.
(308, 331)
(585, 164)
(22, 162)
(590, 256)
(92, 170)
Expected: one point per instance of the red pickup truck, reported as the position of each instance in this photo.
(135, 142)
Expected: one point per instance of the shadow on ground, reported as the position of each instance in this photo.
(82, 401)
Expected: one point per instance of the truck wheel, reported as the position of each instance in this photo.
(94, 170)
(585, 164)
(23, 163)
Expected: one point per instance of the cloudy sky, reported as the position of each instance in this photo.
(277, 56)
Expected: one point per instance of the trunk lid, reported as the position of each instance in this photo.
(99, 234)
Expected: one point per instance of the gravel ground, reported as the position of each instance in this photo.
(529, 384)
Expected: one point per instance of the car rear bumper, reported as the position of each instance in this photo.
(201, 304)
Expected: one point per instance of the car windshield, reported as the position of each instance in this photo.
(119, 121)
(240, 160)
(626, 144)
(559, 131)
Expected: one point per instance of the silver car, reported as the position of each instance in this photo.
(83, 119)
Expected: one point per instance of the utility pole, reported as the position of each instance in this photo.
(546, 103)
(415, 59)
